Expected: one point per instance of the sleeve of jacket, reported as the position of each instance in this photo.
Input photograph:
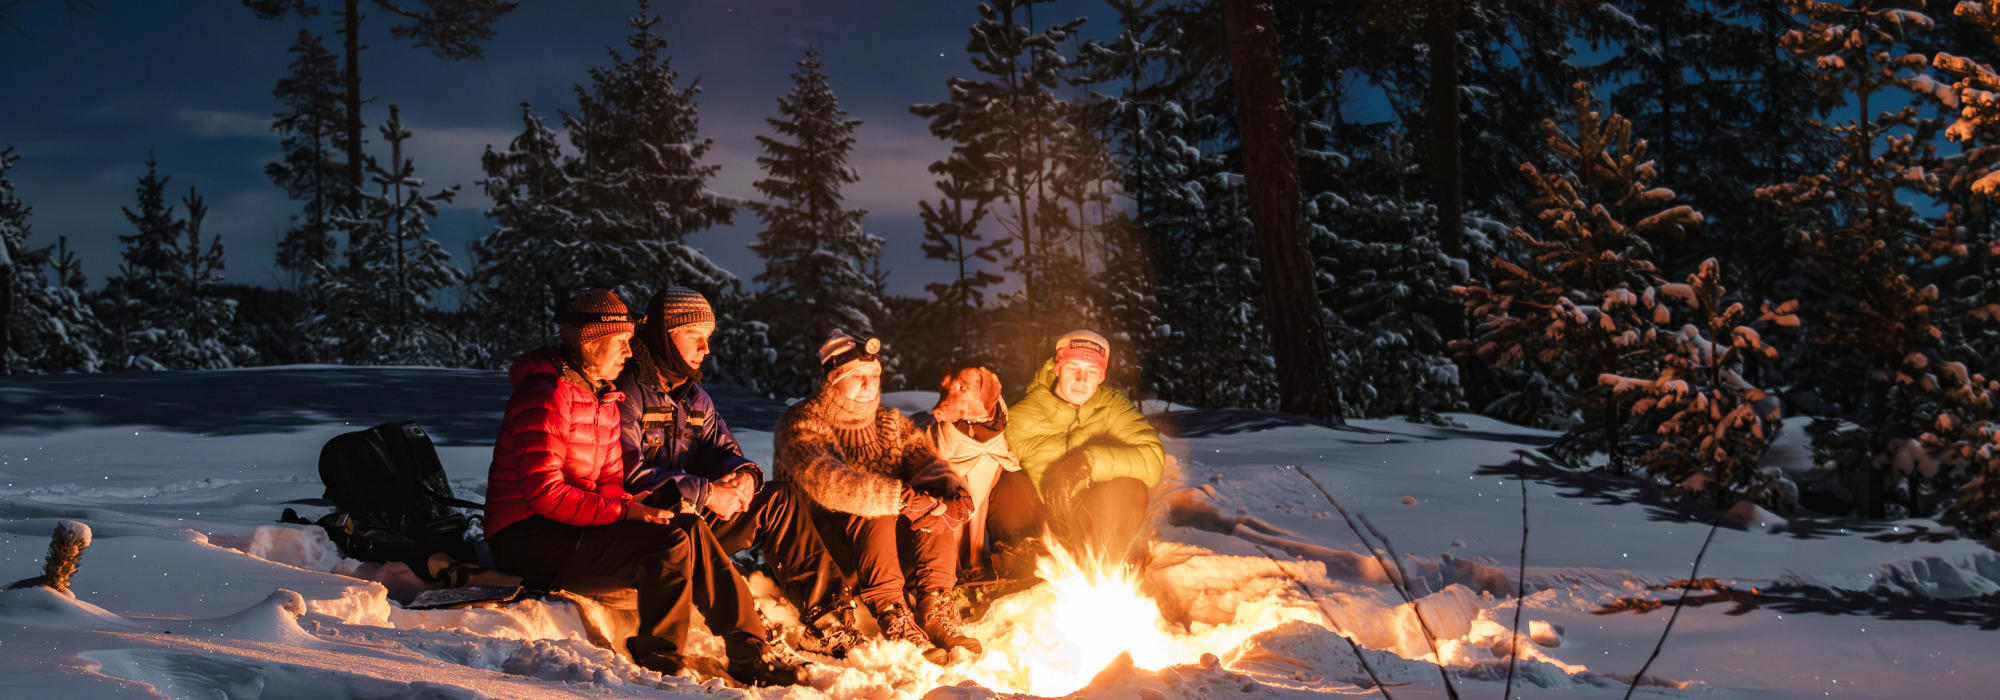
(720, 453)
(808, 457)
(541, 442)
(1129, 447)
(629, 426)
(1038, 436)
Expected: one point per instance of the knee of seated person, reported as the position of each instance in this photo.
(1122, 491)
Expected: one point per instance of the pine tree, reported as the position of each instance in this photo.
(1583, 302)
(451, 29)
(951, 234)
(163, 306)
(44, 326)
(381, 309)
(637, 174)
(524, 268)
(311, 171)
(1714, 427)
(1009, 117)
(814, 250)
(1862, 241)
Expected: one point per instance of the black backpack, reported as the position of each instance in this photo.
(394, 503)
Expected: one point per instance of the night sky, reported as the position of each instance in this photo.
(85, 96)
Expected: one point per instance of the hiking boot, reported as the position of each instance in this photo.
(650, 654)
(753, 662)
(831, 631)
(938, 609)
(898, 624)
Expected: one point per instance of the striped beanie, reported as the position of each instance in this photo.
(591, 315)
(1084, 346)
(678, 307)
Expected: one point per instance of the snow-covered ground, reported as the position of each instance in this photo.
(190, 589)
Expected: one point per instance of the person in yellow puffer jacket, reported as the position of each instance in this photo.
(1088, 449)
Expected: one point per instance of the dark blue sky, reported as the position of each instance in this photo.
(83, 98)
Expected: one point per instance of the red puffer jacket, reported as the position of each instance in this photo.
(558, 454)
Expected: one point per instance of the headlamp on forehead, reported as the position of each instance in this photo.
(864, 352)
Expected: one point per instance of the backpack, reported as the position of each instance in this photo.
(394, 502)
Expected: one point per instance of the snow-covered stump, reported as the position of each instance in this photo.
(65, 548)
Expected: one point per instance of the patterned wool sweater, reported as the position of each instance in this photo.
(857, 458)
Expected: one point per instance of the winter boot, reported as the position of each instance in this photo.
(655, 655)
(831, 630)
(898, 624)
(753, 662)
(938, 609)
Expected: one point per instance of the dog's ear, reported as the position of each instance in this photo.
(989, 393)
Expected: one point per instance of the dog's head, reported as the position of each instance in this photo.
(972, 393)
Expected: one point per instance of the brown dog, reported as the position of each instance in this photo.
(969, 438)
(969, 394)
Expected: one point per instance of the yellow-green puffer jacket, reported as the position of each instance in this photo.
(1108, 430)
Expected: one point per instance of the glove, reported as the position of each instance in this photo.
(1063, 484)
(918, 505)
(958, 510)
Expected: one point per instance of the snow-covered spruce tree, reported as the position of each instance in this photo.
(1008, 115)
(311, 171)
(815, 253)
(45, 325)
(380, 309)
(1862, 245)
(163, 306)
(639, 186)
(533, 258)
(1714, 427)
(1385, 276)
(1591, 247)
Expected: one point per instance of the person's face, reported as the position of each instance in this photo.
(863, 385)
(604, 357)
(1076, 382)
(692, 344)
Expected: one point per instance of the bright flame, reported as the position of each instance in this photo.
(1054, 638)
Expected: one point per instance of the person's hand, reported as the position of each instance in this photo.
(1063, 484)
(730, 495)
(640, 512)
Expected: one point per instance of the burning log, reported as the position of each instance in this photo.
(65, 548)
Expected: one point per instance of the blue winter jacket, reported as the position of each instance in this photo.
(685, 446)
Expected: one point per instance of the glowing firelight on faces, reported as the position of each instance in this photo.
(1053, 639)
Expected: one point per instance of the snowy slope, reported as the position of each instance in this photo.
(190, 590)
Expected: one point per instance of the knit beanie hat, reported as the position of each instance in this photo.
(1084, 346)
(591, 315)
(842, 353)
(676, 307)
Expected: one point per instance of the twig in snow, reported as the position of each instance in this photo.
(1520, 584)
(1338, 631)
(1409, 594)
(1397, 579)
(1688, 585)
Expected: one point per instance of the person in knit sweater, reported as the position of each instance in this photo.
(678, 447)
(873, 479)
(559, 516)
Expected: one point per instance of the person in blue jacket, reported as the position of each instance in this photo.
(679, 454)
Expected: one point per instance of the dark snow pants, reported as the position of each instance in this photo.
(676, 568)
(776, 523)
(884, 556)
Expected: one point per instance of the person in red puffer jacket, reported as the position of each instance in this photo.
(558, 514)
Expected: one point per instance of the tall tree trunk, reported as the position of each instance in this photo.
(351, 23)
(1271, 172)
(1441, 34)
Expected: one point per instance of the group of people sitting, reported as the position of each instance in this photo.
(613, 471)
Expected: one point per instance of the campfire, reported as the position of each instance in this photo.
(1051, 640)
